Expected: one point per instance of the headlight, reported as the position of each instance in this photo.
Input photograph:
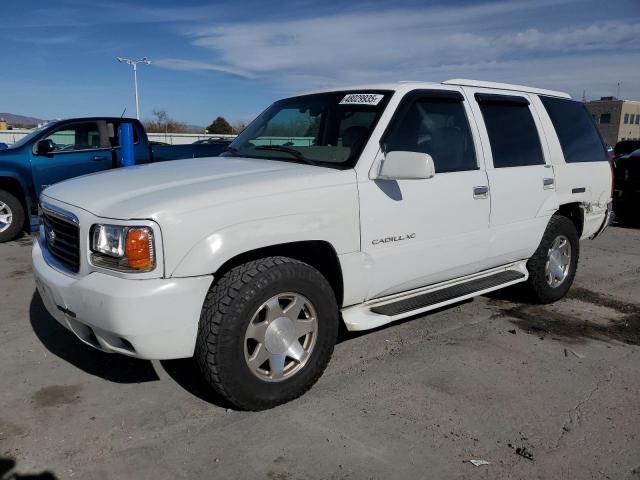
(123, 248)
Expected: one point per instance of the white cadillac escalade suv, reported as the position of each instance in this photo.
(362, 205)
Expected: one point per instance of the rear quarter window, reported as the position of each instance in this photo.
(578, 135)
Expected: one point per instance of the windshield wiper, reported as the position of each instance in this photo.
(292, 151)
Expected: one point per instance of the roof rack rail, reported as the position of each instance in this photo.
(504, 86)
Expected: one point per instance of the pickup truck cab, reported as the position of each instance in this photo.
(71, 148)
(361, 205)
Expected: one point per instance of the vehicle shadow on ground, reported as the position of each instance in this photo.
(186, 373)
(64, 344)
(8, 464)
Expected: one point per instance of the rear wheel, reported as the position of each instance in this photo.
(267, 331)
(11, 216)
(553, 266)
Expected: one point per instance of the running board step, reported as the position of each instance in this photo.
(446, 294)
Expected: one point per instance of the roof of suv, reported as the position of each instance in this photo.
(410, 85)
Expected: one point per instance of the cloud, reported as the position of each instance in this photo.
(192, 65)
(392, 44)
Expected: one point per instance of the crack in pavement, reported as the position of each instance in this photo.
(574, 413)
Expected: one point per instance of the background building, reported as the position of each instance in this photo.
(617, 119)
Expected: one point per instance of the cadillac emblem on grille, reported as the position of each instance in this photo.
(51, 237)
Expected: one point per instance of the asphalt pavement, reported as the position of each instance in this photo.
(548, 392)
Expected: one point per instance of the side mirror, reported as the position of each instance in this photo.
(45, 147)
(406, 166)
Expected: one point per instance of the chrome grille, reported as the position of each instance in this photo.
(62, 237)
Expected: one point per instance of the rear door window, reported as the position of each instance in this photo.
(512, 131)
(578, 135)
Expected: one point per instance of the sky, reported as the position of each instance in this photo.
(234, 58)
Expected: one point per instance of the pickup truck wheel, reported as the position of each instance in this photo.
(11, 216)
(553, 266)
(267, 331)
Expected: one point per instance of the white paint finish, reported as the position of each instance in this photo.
(595, 177)
(450, 227)
(205, 211)
(520, 204)
(519, 210)
(504, 86)
(399, 165)
(211, 209)
(158, 316)
(356, 268)
(360, 317)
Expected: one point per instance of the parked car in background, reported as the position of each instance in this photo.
(70, 148)
(380, 203)
(213, 141)
(626, 196)
(624, 147)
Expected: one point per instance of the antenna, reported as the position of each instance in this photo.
(125, 109)
(618, 96)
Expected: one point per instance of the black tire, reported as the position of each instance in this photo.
(538, 286)
(227, 312)
(17, 212)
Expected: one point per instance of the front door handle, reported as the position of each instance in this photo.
(98, 158)
(548, 183)
(481, 191)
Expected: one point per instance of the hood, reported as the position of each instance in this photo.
(168, 188)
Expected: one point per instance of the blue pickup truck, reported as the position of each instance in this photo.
(70, 148)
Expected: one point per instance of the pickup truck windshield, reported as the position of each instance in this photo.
(327, 129)
(27, 139)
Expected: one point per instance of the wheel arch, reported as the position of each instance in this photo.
(320, 254)
(574, 211)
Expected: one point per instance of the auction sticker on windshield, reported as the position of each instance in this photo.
(361, 99)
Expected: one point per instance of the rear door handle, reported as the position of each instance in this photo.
(98, 158)
(548, 183)
(481, 191)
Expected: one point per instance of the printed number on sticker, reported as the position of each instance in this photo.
(361, 99)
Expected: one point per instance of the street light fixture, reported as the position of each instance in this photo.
(134, 64)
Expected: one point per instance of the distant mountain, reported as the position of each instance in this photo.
(20, 120)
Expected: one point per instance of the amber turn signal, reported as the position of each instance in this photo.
(139, 249)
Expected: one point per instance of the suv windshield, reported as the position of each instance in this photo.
(327, 129)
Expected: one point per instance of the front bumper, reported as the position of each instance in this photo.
(150, 319)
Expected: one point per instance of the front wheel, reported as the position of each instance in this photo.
(11, 216)
(553, 266)
(267, 331)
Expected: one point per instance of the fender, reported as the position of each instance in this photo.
(206, 256)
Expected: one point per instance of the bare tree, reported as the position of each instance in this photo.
(163, 123)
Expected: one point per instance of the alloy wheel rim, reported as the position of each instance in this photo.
(6, 217)
(281, 337)
(558, 261)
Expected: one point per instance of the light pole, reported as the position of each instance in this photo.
(134, 64)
